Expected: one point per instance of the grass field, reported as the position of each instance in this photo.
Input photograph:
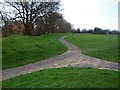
(99, 46)
(65, 78)
(20, 50)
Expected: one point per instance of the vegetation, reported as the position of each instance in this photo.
(65, 78)
(36, 18)
(96, 30)
(30, 12)
(100, 46)
(20, 50)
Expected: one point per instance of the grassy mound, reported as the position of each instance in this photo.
(20, 50)
(65, 78)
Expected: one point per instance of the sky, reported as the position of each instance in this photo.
(91, 13)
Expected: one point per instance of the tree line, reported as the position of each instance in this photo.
(38, 18)
(96, 30)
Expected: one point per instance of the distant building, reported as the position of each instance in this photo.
(18, 25)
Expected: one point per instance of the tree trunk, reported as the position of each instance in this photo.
(28, 28)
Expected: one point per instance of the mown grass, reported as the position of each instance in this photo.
(99, 46)
(20, 50)
(65, 78)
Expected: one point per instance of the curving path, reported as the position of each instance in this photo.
(71, 58)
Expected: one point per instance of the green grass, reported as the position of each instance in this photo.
(65, 78)
(99, 46)
(20, 50)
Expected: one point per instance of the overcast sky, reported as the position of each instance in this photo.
(91, 13)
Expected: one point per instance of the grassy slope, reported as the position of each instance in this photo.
(20, 50)
(65, 77)
(100, 46)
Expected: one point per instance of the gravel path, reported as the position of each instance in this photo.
(71, 58)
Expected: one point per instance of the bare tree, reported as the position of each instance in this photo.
(5, 18)
(30, 12)
(63, 26)
(47, 24)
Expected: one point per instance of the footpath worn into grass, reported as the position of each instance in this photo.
(19, 50)
(95, 45)
(65, 78)
(71, 58)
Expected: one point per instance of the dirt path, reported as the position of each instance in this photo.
(71, 58)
